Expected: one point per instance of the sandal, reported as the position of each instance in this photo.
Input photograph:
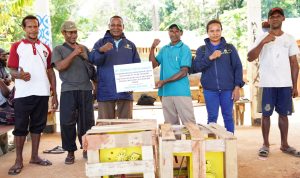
(264, 151)
(291, 151)
(55, 150)
(42, 162)
(70, 159)
(14, 170)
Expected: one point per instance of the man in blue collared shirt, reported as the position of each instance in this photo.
(174, 88)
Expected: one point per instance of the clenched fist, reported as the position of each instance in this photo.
(155, 43)
(108, 46)
(78, 50)
(270, 37)
(215, 55)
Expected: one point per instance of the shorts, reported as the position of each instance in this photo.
(30, 115)
(279, 98)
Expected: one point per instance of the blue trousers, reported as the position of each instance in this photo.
(216, 99)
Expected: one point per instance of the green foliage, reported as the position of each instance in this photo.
(138, 19)
(234, 24)
(60, 11)
(230, 4)
(11, 15)
(187, 13)
(139, 16)
(291, 7)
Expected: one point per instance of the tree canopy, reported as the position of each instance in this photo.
(140, 15)
(11, 15)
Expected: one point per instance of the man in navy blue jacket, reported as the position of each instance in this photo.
(222, 74)
(113, 49)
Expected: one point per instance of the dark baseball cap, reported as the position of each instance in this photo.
(2, 51)
(176, 26)
(275, 9)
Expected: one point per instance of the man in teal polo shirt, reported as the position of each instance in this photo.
(174, 59)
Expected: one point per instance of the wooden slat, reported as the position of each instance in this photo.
(122, 121)
(219, 131)
(215, 145)
(113, 168)
(165, 159)
(123, 128)
(93, 156)
(231, 169)
(182, 146)
(96, 142)
(196, 158)
(147, 153)
(202, 159)
(194, 131)
(148, 175)
(167, 132)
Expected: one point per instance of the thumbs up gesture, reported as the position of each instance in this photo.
(24, 75)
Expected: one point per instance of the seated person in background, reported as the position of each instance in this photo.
(4, 75)
(7, 115)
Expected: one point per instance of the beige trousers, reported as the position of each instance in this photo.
(121, 109)
(177, 108)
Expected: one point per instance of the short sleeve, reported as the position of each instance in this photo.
(186, 57)
(293, 50)
(159, 56)
(56, 55)
(13, 60)
(48, 57)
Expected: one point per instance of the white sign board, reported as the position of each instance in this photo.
(134, 77)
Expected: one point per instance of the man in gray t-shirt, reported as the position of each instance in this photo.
(76, 100)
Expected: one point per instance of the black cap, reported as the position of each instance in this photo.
(176, 26)
(275, 9)
(2, 51)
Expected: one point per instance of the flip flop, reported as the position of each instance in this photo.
(291, 151)
(55, 150)
(70, 160)
(15, 170)
(42, 162)
(264, 151)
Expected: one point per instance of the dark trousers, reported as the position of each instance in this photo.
(76, 107)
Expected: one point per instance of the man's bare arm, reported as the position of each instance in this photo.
(294, 72)
(182, 73)
(152, 55)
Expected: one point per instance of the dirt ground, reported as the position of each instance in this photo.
(277, 165)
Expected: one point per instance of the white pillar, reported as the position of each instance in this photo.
(43, 14)
(254, 28)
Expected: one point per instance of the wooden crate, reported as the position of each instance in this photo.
(122, 133)
(170, 143)
(199, 141)
(220, 140)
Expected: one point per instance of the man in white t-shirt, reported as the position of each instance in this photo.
(278, 71)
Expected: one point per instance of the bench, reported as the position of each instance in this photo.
(4, 138)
